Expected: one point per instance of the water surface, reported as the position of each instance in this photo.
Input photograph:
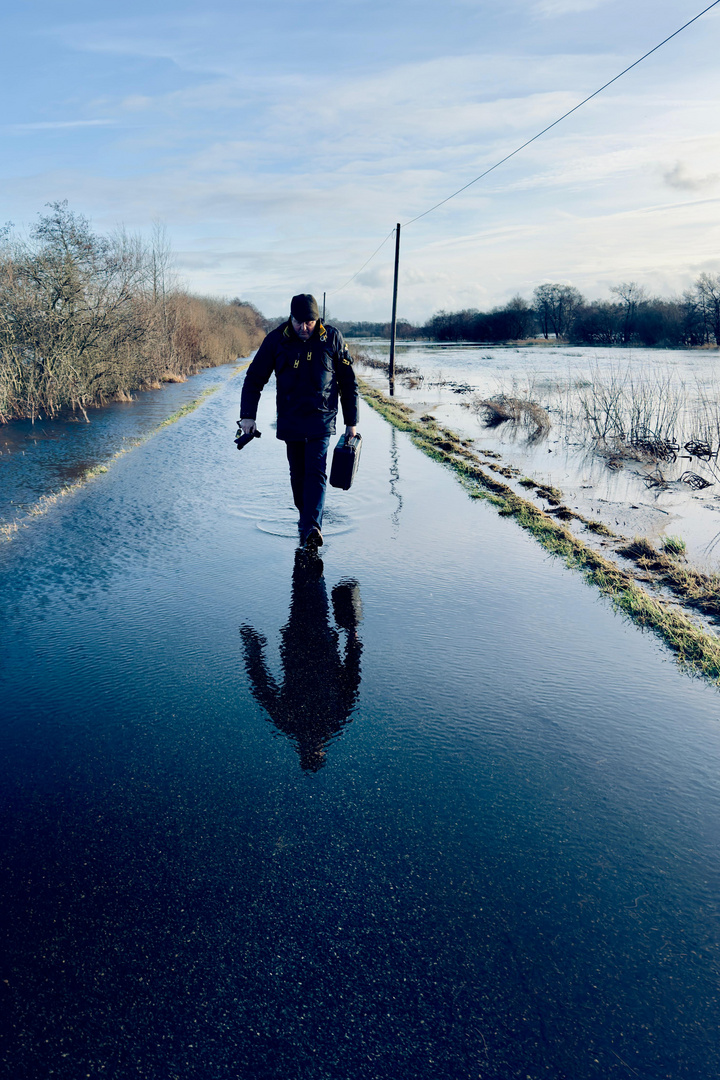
(427, 810)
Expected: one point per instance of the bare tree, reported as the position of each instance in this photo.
(521, 317)
(632, 297)
(85, 317)
(707, 290)
(555, 306)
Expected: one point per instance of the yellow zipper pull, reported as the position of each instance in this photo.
(297, 363)
(309, 356)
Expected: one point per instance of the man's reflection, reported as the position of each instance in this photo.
(320, 686)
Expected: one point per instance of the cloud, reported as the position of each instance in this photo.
(274, 173)
(551, 8)
(679, 178)
(58, 125)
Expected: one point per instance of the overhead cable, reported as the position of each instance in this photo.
(565, 115)
(377, 249)
(537, 136)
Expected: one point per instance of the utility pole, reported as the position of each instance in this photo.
(391, 370)
(323, 307)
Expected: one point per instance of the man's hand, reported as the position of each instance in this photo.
(247, 427)
(350, 431)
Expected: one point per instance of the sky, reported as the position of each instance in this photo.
(280, 142)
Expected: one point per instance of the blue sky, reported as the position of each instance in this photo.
(280, 142)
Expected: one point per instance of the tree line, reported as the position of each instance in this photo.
(560, 312)
(87, 318)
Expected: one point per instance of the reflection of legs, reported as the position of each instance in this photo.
(308, 480)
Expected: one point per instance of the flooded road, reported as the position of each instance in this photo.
(429, 810)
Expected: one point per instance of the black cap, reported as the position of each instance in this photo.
(303, 308)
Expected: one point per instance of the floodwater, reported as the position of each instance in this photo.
(40, 457)
(429, 809)
(623, 493)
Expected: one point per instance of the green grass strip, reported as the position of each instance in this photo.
(188, 407)
(696, 650)
(46, 503)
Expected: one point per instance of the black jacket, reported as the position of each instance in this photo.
(309, 376)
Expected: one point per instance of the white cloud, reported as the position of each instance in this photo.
(58, 125)
(553, 8)
(285, 172)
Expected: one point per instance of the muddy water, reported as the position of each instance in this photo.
(429, 809)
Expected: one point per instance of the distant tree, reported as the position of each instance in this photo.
(555, 307)
(596, 323)
(632, 297)
(521, 318)
(707, 291)
(660, 322)
(251, 317)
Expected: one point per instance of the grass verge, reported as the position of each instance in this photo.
(696, 650)
(46, 503)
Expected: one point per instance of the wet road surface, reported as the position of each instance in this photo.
(427, 810)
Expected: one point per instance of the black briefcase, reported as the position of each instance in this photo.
(345, 461)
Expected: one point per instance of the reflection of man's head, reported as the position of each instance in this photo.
(312, 758)
(347, 605)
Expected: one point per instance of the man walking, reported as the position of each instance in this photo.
(312, 368)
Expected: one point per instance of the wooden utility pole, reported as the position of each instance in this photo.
(391, 370)
(323, 318)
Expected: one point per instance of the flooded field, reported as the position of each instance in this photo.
(669, 399)
(425, 809)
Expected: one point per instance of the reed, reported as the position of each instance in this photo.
(504, 408)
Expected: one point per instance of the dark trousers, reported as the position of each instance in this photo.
(307, 458)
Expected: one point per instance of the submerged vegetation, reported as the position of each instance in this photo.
(696, 648)
(625, 413)
(499, 410)
(674, 545)
(86, 318)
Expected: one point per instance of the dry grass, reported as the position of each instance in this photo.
(374, 364)
(504, 408)
(697, 590)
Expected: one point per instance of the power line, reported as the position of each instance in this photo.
(377, 249)
(538, 135)
(565, 115)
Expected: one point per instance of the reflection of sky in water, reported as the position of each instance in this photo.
(506, 865)
(41, 457)
(565, 459)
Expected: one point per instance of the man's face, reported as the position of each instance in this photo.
(303, 330)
